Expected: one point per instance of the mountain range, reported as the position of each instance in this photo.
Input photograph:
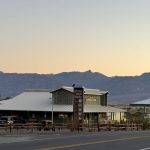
(122, 89)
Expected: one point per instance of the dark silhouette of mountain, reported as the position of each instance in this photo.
(122, 89)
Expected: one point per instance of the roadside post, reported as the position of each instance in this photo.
(10, 127)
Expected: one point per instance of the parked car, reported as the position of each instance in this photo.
(7, 119)
(3, 121)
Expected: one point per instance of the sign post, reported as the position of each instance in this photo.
(78, 107)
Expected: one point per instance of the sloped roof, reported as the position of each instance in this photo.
(145, 102)
(86, 90)
(99, 108)
(41, 100)
(29, 100)
(87, 108)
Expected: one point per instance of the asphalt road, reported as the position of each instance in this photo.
(108, 140)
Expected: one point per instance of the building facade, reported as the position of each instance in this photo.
(57, 105)
(94, 103)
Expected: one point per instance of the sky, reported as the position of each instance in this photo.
(52, 36)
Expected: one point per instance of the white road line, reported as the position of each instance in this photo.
(29, 139)
(42, 139)
(148, 148)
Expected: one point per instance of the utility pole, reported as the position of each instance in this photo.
(52, 112)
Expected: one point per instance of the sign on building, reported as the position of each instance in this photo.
(78, 107)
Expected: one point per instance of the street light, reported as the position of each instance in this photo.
(52, 109)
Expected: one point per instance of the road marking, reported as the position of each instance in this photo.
(42, 139)
(92, 142)
(145, 148)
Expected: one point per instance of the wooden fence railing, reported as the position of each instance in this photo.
(31, 127)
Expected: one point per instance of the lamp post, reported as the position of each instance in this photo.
(52, 110)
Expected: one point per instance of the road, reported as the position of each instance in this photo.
(108, 140)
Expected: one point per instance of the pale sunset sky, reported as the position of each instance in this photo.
(52, 36)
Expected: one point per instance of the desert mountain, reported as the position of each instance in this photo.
(122, 89)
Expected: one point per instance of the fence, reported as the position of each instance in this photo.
(38, 127)
(115, 126)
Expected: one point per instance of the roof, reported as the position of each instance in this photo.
(41, 100)
(99, 108)
(145, 102)
(87, 108)
(86, 90)
(29, 100)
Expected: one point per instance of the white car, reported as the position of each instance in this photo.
(7, 119)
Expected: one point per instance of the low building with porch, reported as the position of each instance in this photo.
(142, 106)
(57, 105)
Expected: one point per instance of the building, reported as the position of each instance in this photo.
(58, 105)
(30, 104)
(95, 104)
(142, 106)
(143, 103)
